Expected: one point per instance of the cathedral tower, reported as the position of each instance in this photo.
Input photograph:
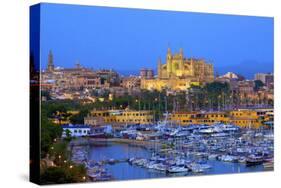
(51, 66)
(169, 63)
(159, 69)
(181, 63)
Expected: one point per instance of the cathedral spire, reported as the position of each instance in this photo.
(181, 51)
(169, 53)
(50, 66)
(181, 64)
(169, 50)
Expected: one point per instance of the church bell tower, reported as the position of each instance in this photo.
(51, 66)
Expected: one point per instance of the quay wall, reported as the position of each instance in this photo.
(93, 141)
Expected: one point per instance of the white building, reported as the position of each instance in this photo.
(76, 130)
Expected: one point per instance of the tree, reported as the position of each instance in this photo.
(57, 175)
(218, 94)
(49, 132)
(46, 94)
(258, 84)
(68, 135)
(79, 118)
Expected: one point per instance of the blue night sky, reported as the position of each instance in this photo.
(129, 39)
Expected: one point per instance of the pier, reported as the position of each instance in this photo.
(94, 141)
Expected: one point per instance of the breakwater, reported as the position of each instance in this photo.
(98, 141)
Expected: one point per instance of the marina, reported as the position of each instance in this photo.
(154, 95)
(177, 151)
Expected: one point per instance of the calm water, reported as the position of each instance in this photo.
(125, 171)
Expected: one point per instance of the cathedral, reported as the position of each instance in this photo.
(179, 73)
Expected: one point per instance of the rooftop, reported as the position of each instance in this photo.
(70, 126)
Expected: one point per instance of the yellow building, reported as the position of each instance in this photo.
(61, 121)
(242, 118)
(179, 73)
(135, 117)
(245, 118)
(187, 118)
(120, 117)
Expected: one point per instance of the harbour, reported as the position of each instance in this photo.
(125, 170)
(197, 150)
(149, 97)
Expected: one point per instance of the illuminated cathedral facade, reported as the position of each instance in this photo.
(179, 73)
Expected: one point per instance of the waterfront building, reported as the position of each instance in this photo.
(135, 117)
(245, 118)
(119, 117)
(266, 114)
(268, 118)
(76, 130)
(94, 121)
(241, 117)
(178, 73)
(183, 118)
(208, 118)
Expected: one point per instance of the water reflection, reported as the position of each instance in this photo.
(125, 171)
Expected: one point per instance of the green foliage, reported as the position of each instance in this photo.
(217, 88)
(217, 94)
(49, 132)
(68, 135)
(53, 106)
(258, 84)
(210, 96)
(46, 94)
(79, 118)
(57, 175)
(59, 152)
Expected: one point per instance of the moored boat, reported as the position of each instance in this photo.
(254, 160)
(177, 169)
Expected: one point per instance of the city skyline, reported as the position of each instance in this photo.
(200, 100)
(244, 42)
